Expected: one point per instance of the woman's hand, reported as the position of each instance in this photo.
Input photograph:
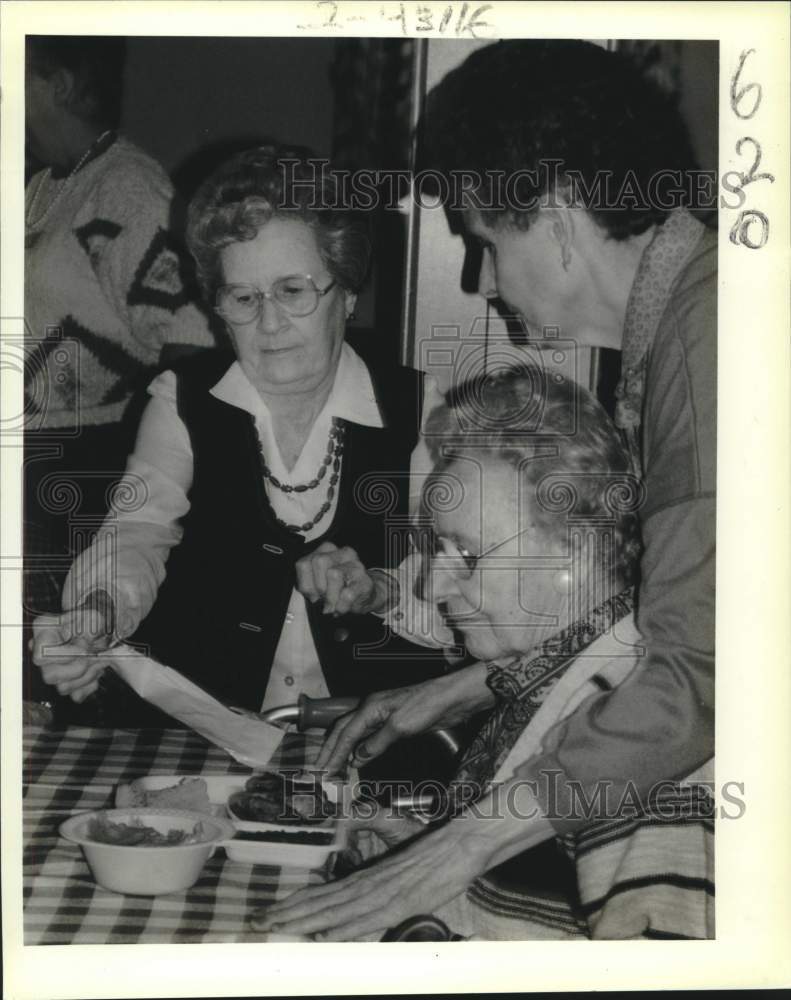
(390, 826)
(417, 880)
(68, 650)
(404, 712)
(421, 877)
(337, 577)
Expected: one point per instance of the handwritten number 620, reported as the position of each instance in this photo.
(751, 228)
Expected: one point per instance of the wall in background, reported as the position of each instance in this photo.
(192, 102)
(183, 94)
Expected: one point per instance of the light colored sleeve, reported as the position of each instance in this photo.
(142, 270)
(128, 556)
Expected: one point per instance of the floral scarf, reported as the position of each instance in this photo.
(521, 684)
(662, 261)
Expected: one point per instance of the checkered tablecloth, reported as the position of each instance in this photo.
(66, 771)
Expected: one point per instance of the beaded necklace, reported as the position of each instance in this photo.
(331, 458)
(32, 223)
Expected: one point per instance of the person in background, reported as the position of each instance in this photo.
(107, 289)
(573, 132)
(251, 459)
(105, 279)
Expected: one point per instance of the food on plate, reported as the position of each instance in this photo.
(189, 793)
(267, 783)
(284, 837)
(282, 798)
(278, 782)
(137, 834)
(255, 808)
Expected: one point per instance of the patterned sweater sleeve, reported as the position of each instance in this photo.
(142, 268)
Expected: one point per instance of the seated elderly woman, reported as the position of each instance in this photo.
(245, 463)
(556, 136)
(535, 549)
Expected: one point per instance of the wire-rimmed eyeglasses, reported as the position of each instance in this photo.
(450, 555)
(297, 294)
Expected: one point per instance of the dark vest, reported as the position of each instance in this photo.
(220, 611)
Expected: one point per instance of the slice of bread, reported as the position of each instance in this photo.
(130, 795)
(189, 793)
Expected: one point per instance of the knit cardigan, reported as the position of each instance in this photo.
(105, 287)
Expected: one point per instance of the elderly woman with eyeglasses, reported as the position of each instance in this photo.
(533, 551)
(245, 462)
(577, 181)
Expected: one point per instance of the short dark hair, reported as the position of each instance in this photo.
(97, 64)
(520, 105)
(275, 181)
(569, 453)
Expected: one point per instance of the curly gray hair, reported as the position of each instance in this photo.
(273, 181)
(567, 450)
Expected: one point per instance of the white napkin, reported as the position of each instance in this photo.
(248, 740)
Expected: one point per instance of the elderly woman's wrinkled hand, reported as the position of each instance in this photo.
(338, 579)
(389, 716)
(68, 648)
(386, 825)
(418, 879)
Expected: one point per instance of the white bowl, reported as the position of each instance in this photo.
(262, 852)
(142, 870)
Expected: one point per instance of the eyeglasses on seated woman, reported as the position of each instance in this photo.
(535, 558)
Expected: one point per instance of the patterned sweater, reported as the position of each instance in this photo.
(104, 287)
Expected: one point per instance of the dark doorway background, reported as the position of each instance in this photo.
(191, 102)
